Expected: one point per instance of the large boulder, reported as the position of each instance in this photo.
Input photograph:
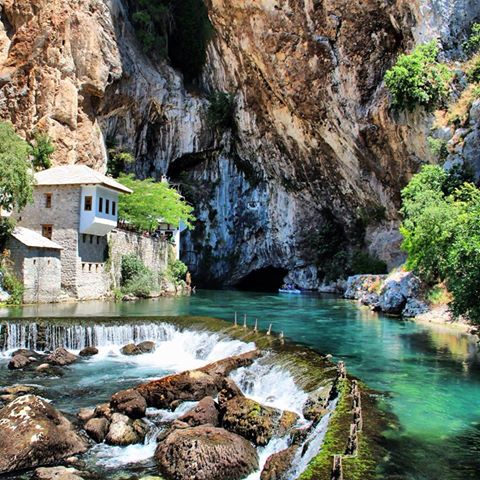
(97, 428)
(130, 349)
(278, 465)
(19, 361)
(125, 431)
(250, 419)
(147, 347)
(33, 432)
(206, 453)
(31, 354)
(397, 289)
(130, 403)
(61, 357)
(229, 390)
(170, 391)
(57, 473)
(205, 412)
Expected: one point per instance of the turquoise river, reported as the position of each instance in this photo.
(427, 376)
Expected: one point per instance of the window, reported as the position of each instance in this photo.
(100, 204)
(91, 238)
(98, 240)
(87, 206)
(84, 237)
(114, 208)
(107, 206)
(47, 231)
(48, 200)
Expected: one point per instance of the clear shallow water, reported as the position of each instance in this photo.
(431, 377)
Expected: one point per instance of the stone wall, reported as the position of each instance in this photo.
(39, 269)
(153, 252)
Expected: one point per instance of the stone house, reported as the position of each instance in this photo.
(37, 263)
(74, 207)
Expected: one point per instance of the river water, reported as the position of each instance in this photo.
(428, 377)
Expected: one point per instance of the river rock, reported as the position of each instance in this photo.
(278, 465)
(229, 390)
(85, 414)
(397, 289)
(27, 353)
(57, 473)
(97, 428)
(18, 361)
(61, 357)
(88, 352)
(33, 432)
(147, 347)
(206, 453)
(414, 308)
(205, 412)
(130, 349)
(251, 420)
(103, 410)
(193, 385)
(316, 405)
(129, 402)
(124, 431)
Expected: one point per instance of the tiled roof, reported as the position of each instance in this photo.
(77, 175)
(33, 239)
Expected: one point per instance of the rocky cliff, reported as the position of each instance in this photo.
(315, 151)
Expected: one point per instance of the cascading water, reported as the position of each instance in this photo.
(96, 378)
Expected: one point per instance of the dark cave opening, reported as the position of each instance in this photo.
(267, 279)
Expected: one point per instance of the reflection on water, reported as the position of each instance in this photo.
(432, 376)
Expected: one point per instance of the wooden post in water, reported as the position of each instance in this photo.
(337, 468)
(269, 332)
(244, 320)
(235, 323)
(255, 329)
(352, 444)
(342, 370)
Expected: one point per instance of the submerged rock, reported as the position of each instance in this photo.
(129, 402)
(33, 432)
(193, 385)
(8, 394)
(316, 405)
(205, 412)
(85, 414)
(57, 473)
(27, 353)
(124, 431)
(88, 352)
(206, 453)
(61, 357)
(47, 369)
(278, 465)
(250, 419)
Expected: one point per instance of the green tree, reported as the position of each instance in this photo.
(419, 79)
(221, 111)
(42, 150)
(16, 178)
(151, 201)
(441, 232)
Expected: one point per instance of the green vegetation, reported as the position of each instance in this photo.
(118, 161)
(180, 29)
(137, 279)
(221, 111)
(363, 263)
(9, 282)
(472, 45)
(438, 295)
(151, 201)
(473, 71)
(177, 271)
(439, 148)
(419, 79)
(16, 180)
(441, 232)
(42, 150)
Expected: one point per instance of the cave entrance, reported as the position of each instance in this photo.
(267, 279)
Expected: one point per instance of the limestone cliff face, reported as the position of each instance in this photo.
(314, 139)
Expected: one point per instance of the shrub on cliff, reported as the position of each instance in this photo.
(16, 179)
(137, 279)
(221, 111)
(472, 45)
(42, 150)
(419, 79)
(177, 271)
(441, 232)
(150, 202)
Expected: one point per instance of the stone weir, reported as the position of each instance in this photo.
(184, 398)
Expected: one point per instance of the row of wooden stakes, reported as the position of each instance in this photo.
(255, 328)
